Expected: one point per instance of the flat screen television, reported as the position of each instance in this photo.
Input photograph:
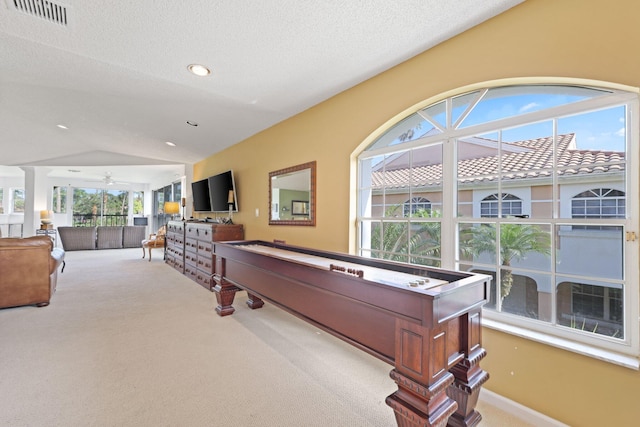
(200, 192)
(223, 192)
(140, 221)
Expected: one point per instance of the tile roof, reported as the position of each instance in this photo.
(536, 161)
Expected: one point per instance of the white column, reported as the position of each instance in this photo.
(36, 190)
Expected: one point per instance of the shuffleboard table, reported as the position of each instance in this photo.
(424, 321)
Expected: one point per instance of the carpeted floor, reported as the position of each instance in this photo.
(126, 342)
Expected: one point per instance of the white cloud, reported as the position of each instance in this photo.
(528, 107)
(621, 132)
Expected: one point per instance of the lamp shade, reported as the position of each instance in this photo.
(171, 208)
(46, 217)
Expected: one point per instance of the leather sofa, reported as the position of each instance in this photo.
(29, 271)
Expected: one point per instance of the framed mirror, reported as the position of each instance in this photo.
(292, 195)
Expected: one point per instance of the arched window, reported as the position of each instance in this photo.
(415, 205)
(477, 156)
(598, 203)
(493, 207)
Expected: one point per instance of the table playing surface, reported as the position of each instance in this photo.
(373, 274)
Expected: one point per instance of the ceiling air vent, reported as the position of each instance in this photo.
(44, 9)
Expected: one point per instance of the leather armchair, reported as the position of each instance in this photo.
(29, 269)
(155, 240)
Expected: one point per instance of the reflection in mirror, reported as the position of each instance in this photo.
(292, 195)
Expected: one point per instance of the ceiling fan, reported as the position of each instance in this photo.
(108, 180)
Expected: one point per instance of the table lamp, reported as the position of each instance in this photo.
(171, 208)
(183, 202)
(46, 219)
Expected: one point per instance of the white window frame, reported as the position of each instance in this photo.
(12, 200)
(623, 352)
(412, 204)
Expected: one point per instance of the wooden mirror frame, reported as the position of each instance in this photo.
(312, 195)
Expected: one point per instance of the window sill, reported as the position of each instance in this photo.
(585, 350)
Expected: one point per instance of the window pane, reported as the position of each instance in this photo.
(437, 114)
(425, 178)
(525, 246)
(591, 307)
(59, 199)
(390, 185)
(526, 164)
(511, 101)
(138, 203)
(477, 158)
(395, 240)
(371, 235)
(87, 206)
(520, 293)
(596, 153)
(94, 206)
(597, 253)
(597, 131)
(409, 129)
(477, 243)
(18, 200)
(425, 238)
(368, 204)
(177, 191)
(461, 106)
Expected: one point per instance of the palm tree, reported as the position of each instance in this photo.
(395, 242)
(516, 241)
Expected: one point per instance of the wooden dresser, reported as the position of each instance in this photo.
(174, 255)
(190, 248)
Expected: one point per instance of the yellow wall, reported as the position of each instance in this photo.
(587, 39)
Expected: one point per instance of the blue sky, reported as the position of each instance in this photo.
(598, 130)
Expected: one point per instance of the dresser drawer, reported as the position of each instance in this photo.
(175, 251)
(199, 231)
(205, 263)
(191, 258)
(205, 247)
(205, 280)
(175, 227)
(190, 271)
(191, 244)
(227, 232)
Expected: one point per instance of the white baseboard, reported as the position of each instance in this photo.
(518, 410)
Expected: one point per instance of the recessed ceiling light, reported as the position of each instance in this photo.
(62, 127)
(199, 70)
(191, 123)
(170, 144)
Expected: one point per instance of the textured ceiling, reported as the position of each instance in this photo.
(116, 73)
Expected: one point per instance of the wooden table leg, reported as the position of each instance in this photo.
(253, 301)
(421, 362)
(416, 405)
(225, 291)
(225, 294)
(468, 375)
(465, 390)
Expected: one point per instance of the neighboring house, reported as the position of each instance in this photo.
(590, 185)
